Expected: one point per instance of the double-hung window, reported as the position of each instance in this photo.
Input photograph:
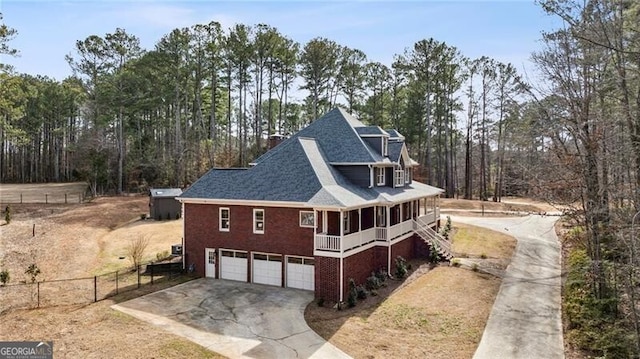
(407, 175)
(224, 217)
(258, 221)
(380, 176)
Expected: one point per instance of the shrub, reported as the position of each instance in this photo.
(4, 276)
(382, 275)
(373, 282)
(401, 267)
(474, 267)
(455, 262)
(361, 292)
(143, 216)
(483, 256)
(162, 255)
(352, 299)
(374, 293)
(320, 302)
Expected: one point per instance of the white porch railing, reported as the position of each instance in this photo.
(327, 242)
(336, 243)
(359, 238)
(430, 217)
(399, 229)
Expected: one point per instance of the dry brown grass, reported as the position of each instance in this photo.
(97, 331)
(79, 240)
(438, 313)
(472, 241)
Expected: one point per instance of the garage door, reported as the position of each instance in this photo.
(300, 273)
(233, 265)
(267, 269)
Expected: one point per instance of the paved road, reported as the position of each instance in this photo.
(237, 320)
(525, 321)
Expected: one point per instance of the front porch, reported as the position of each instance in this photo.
(338, 232)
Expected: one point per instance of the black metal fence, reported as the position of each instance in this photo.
(84, 290)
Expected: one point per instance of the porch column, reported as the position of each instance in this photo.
(325, 226)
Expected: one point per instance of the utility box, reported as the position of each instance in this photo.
(176, 249)
(163, 203)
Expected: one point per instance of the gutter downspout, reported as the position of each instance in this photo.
(184, 252)
(389, 241)
(341, 257)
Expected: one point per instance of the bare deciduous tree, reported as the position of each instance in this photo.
(136, 249)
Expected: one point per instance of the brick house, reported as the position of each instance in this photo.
(335, 201)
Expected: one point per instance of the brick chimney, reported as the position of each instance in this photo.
(275, 140)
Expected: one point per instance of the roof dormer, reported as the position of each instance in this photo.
(375, 137)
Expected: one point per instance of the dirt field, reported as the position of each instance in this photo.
(78, 240)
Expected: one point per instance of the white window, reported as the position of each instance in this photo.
(346, 222)
(407, 175)
(224, 216)
(380, 176)
(381, 216)
(385, 144)
(399, 178)
(307, 219)
(258, 221)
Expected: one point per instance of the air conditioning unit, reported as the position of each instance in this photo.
(176, 249)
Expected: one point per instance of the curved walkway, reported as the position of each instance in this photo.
(525, 321)
(237, 320)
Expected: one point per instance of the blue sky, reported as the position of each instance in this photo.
(505, 30)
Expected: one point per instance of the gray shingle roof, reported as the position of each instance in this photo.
(165, 192)
(394, 135)
(336, 134)
(394, 150)
(300, 170)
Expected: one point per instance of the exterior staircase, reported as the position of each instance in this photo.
(434, 239)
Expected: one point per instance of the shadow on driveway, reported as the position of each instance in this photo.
(235, 319)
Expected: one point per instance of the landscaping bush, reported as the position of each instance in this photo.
(362, 292)
(401, 267)
(373, 282)
(382, 275)
(320, 302)
(352, 298)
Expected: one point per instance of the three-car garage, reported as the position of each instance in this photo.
(265, 268)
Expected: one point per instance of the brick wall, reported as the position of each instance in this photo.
(404, 249)
(327, 274)
(282, 232)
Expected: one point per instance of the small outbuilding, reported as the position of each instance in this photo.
(163, 204)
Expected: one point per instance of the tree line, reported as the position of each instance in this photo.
(204, 96)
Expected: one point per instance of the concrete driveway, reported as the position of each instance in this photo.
(237, 320)
(525, 321)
